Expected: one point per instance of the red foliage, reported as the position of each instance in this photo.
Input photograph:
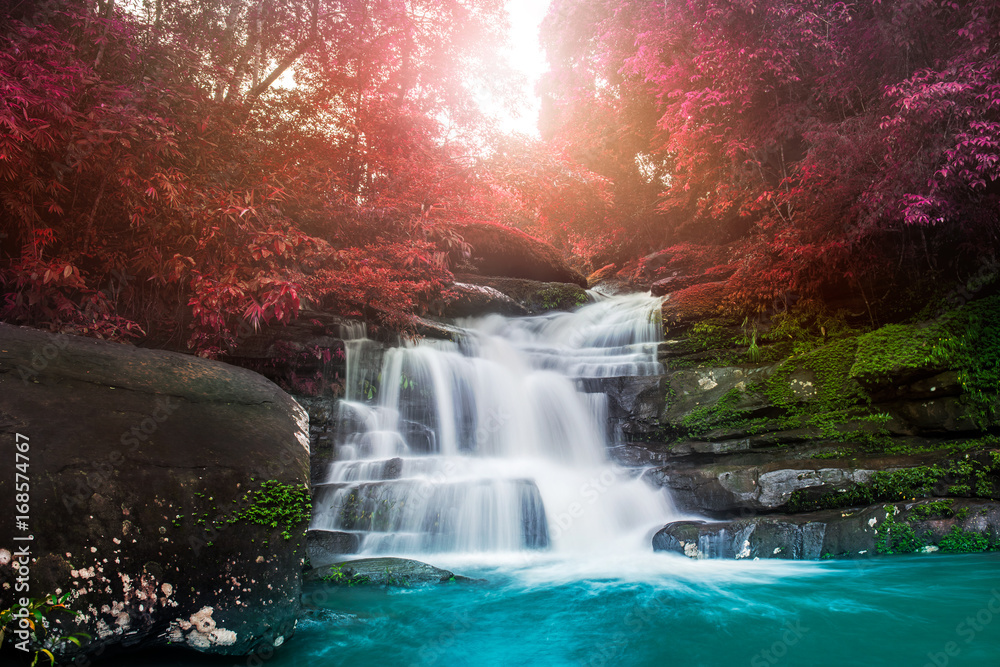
(152, 180)
(838, 142)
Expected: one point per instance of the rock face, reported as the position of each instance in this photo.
(761, 425)
(151, 476)
(504, 251)
(326, 547)
(923, 526)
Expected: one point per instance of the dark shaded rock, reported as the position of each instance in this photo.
(946, 414)
(322, 435)
(533, 296)
(329, 546)
(304, 357)
(140, 462)
(504, 251)
(384, 571)
(634, 403)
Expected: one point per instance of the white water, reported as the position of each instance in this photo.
(488, 444)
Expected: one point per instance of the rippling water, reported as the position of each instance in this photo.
(666, 610)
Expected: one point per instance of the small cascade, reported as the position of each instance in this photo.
(489, 444)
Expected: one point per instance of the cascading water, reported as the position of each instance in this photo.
(489, 444)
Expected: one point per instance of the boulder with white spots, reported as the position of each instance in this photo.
(155, 479)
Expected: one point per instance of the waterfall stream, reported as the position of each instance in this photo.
(490, 443)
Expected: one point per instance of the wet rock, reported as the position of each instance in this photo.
(724, 489)
(329, 546)
(751, 538)
(142, 463)
(532, 296)
(478, 300)
(859, 532)
(399, 572)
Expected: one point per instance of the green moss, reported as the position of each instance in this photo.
(972, 347)
(885, 353)
(722, 414)
(711, 335)
(276, 505)
(836, 400)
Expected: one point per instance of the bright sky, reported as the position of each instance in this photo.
(527, 58)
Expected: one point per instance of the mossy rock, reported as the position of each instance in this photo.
(385, 571)
(533, 296)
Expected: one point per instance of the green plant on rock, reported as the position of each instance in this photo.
(808, 325)
(276, 505)
(896, 537)
(393, 579)
(906, 483)
(933, 510)
(336, 575)
(36, 617)
(711, 335)
(963, 541)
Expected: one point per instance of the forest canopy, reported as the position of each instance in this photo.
(170, 169)
(832, 146)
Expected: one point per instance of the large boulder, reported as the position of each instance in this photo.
(168, 494)
(504, 251)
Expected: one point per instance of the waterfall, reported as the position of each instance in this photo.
(490, 444)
